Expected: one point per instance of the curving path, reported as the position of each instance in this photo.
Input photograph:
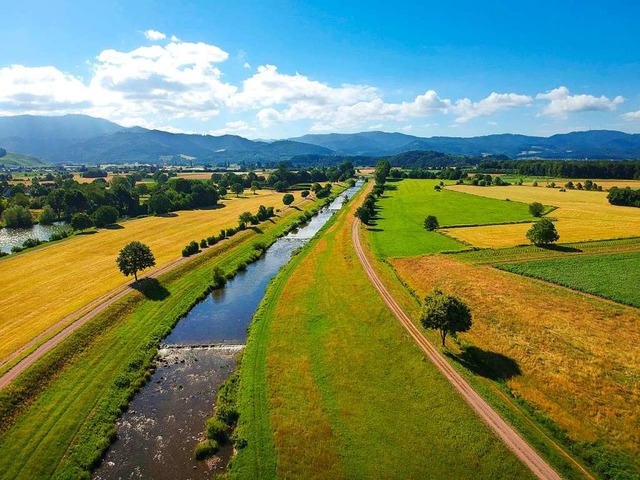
(506, 433)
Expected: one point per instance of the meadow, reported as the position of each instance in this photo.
(615, 276)
(399, 232)
(580, 216)
(570, 358)
(64, 277)
(57, 418)
(332, 387)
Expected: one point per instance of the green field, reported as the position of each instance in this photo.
(615, 276)
(57, 418)
(332, 387)
(18, 160)
(400, 233)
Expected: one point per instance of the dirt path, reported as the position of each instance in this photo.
(508, 435)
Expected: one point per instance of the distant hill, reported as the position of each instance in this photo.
(17, 160)
(594, 144)
(88, 140)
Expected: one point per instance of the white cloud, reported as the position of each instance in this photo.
(174, 39)
(154, 35)
(631, 116)
(495, 102)
(178, 80)
(561, 102)
(378, 126)
(247, 65)
(234, 128)
(39, 90)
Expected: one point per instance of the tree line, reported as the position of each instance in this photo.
(616, 169)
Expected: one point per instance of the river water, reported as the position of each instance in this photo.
(15, 237)
(165, 421)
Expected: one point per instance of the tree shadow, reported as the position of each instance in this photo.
(560, 248)
(256, 229)
(390, 187)
(167, 215)
(491, 365)
(87, 232)
(296, 208)
(372, 229)
(217, 206)
(114, 226)
(151, 288)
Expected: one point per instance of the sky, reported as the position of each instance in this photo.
(279, 69)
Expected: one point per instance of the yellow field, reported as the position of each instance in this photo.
(578, 357)
(44, 286)
(581, 216)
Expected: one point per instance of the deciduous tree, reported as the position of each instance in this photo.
(445, 313)
(134, 257)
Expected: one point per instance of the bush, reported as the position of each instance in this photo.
(81, 221)
(60, 234)
(206, 449)
(287, 199)
(105, 215)
(536, 209)
(212, 240)
(216, 430)
(203, 243)
(31, 242)
(47, 216)
(431, 223)
(17, 217)
(219, 278)
(230, 232)
(190, 249)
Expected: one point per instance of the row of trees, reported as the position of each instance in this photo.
(620, 169)
(626, 197)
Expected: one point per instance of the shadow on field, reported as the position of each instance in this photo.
(375, 229)
(114, 226)
(167, 215)
(255, 229)
(152, 289)
(560, 248)
(491, 365)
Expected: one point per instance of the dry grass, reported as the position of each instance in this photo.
(581, 216)
(579, 356)
(44, 286)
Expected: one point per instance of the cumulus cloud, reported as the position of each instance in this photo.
(154, 35)
(39, 90)
(631, 116)
(234, 128)
(495, 102)
(561, 102)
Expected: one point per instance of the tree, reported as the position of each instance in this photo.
(543, 232)
(134, 257)
(431, 223)
(17, 217)
(159, 204)
(105, 215)
(383, 167)
(287, 199)
(47, 216)
(245, 217)
(81, 221)
(445, 313)
(304, 193)
(536, 209)
(255, 186)
(237, 188)
(363, 214)
(56, 199)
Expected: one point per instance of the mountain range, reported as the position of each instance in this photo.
(81, 139)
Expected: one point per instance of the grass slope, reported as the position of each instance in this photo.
(18, 160)
(615, 276)
(400, 231)
(331, 386)
(87, 262)
(58, 417)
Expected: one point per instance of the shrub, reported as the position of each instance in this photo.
(536, 209)
(431, 223)
(203, 243)
(206, 449)
(60, 234)
(190, 249)
(47, 216)
(81, 221)
(105, 215)
(212, 240)
(216, 430)
(230, 232)
(17, 217)
(287, 199)
(31, 242)
(219, 278)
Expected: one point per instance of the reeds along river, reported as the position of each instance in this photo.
(165, 421)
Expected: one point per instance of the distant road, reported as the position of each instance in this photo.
(509, 436)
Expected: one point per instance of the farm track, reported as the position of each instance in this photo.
(506, 433)
(80, 317)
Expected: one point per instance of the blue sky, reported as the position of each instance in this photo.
(275, 69)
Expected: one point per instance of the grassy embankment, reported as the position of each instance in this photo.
(12, 160)
(554, 362)
(58, 418)
(332, 387)
(615, 275)
(41, 287)
(400, 231)
(581, 216)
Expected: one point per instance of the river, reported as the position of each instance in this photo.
(158, 433)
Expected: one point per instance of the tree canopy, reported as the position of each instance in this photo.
(543, 232)
(134, 257)
(445, 313)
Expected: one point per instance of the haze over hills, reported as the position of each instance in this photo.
(84, 139)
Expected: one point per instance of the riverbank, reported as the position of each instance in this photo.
(91, 377)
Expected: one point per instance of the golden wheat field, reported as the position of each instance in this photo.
(579, 356)
(581, 216)
(40, 288)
